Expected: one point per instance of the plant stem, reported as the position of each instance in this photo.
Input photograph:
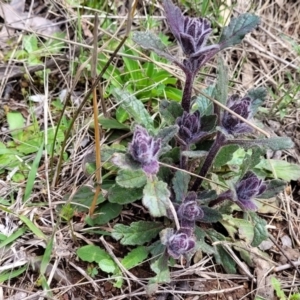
(187, 91)
(222, 197)
(183, 158)
(213, 151)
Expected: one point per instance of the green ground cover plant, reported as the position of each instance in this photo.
(213, 131)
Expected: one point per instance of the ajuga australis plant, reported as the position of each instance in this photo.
(194, 136)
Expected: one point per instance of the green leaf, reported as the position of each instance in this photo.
(150, 41)
(32, 173)
(221, 256)
(107, 265)
(156, 197)
(251, 160)
(237, 29)
(221, 87)
(83, 198)
(160, 267)
(260, 229)
(16, 124)
(274, 187)
(180, 184)
(138, 233)
(134, 107)
(125, 161)
(13, 237)
(47, 256)
(92, 253)
(108, 211)
(277, 286)
(110, 123)
(4, 276)
(209, 123)
(201, 243)
(167, 133)
(32, 227)
(131, 179)
(258, 96)
(170, 111)
(210, 215)
(281, 169)
(134, 257)
(121, 114)
(30, 43)
(225, 155)
(120, 195)
(203, 104)
(238, 226)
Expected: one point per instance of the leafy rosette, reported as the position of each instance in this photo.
(180, 243)
(191, 33)
(190, 128)
(231, 123)
(189, 211)
(145, 150)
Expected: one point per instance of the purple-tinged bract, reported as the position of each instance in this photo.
(145, 149)
(189, 210)
(231, 123)
(249, 187)
(180, 243)
(191, 33)
(189, 127)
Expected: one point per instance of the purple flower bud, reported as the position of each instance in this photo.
(189, 209)
(189, 127)
(242, 107)
(248, 188)
(145, 149)
(191, 33)
(180, 243)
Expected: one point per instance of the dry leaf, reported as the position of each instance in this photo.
(23, 21)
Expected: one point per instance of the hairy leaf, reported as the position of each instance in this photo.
(260, 229)
(167, 133)
(203, 104)
(209, 123)
(225, 155)
(125, 161)
(121, 195)
(281, 169)
(274, 143)
(108, 211)
(237, 29)
(138, 233)
(160, 267)
(131, 179)
(134, 107)
(170, 111)
(210, 215)
(180, 184)
(135, 257)
(258, 96)
(150, 41)
(156, 197)
(221, 87)
(221, 255)
(274, 187)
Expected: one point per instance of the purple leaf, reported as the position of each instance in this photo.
(230, 123)
(145, 149)
(180, 243)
